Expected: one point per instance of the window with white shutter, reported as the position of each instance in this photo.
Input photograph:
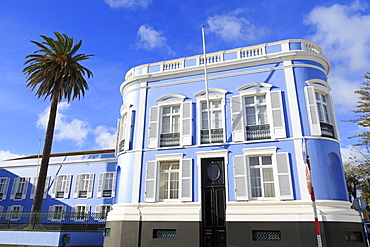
(14, 213)
(320, 109)
(46, 188)
(101, 212)
(169, 178)
(124, 128)
(80, 212)
(57, 212)
(211, 113)
(262, 174)
(19, 189)
(106, 185)
(170, 122)
(61, 186)
(257, 113)
(84, 185)
(4, 185)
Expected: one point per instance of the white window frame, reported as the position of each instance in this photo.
(281, 172)
(99, 212)
(214, 94)
(75, 213)
(46, 188)
(4, 186)
(14, 216)
(321, 87)
(54, 215)
(15, 188)
(185, 178)
(89, 178)
(124, 129)
(59, 181)
(156, 117)
(103, 183)
(274, 108)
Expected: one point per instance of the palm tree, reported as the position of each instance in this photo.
(55, 72)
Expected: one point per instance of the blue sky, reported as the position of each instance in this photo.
(126, 33)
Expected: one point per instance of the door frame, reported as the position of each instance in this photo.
(222, 153)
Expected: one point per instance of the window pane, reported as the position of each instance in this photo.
(321, 117)
(249, 100)
(266, 160)
(251, 116)
(261, 99)
(262, 115)
(253, 161)
(269, 190)
(216, 104)
(204, 105)
(163, 186)
(267, 175)
(175, 124)
(175, 109)
(166, 110)
(204, 120)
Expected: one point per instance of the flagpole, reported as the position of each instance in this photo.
(206, 84)
(313, 198)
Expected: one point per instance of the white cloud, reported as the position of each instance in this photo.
(342, 32)
(65, 129)
(128, 3)
(353, 154)
(150, 38)
(105, 138)
(6, 155)
(230, 27)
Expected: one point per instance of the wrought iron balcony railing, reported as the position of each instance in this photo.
(327, 130)
(258, 132)
(53, 220)
(217, 136)
(170, 139)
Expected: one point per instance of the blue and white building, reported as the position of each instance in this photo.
(225, 166)
(79, 182)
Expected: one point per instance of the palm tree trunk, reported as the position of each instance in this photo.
(39, 193)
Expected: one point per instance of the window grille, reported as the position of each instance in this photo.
(259, 235)
(164, 233)
(353, 237)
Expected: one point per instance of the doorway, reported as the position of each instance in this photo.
(213, 232)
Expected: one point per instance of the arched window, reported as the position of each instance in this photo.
(170, 122)
(320, 109)
(257, 113)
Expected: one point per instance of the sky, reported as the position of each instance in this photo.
(122, 34)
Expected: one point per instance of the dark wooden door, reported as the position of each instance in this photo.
(213, 203)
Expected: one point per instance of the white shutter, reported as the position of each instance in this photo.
(153, 127)
(151, 181)
(46, 189)
(14, 188)
(114, 184)
(90, 186)
(20, 211)
(187, 124)
(98, 215)
(7, 216)
(241, 178)
(67, 187)
(284, 176)
(186, 180)
(118, 139)
(5, 188)
(77, 186)
(50, 212)
(25, 188)
(312, 111)
(64, 210)
(100, 185)
(277, 115)
(55, 184)
(33, 189)
(128, 130)
(333, 118)
(237, 118)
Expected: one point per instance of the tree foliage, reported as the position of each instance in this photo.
(54, 72)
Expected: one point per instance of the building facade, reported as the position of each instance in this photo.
(77, 184)
(225, 166)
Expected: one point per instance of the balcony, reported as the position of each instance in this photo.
(170, 139)
(258, 132)
(217, 136)
(327, 130)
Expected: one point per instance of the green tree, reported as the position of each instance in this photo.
(54, 72)
(363, 113)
